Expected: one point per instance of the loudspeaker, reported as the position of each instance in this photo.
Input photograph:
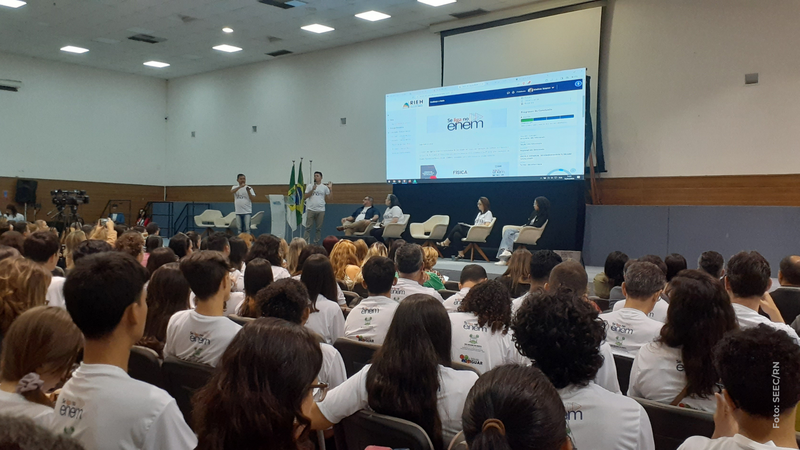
(26, 191)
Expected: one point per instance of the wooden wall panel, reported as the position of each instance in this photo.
(342, 193)
(99, 195)
(746, 190)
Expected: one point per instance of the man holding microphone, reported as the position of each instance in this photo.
(316, 196)
(242, 193)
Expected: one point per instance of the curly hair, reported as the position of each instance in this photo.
(561, 333)
(343, 255)
(131, 242)
(23, 433)
(23, 285)
(429, 258)
(268, 247)
(286, 299)
(491, 302)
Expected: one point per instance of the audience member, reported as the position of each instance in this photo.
(167, 293)
(87, 229)
(23, 285)
(132, 243)
(181, 245)
(4, 225)
(257, 278)
(194, 240)
(101, 406)
(517, 277)
(326, 317)
(480, 328)
(760, 369)
(247, 238)
(21, 227)
(8, 252)
(152, 229)
(408, 260)
(237, 254)
(202, 334)
(104, 232)
(430, 256)
(369, 321)
(159, 257)
(410, 376)
(504, 403)
(361, 251)
(675, 263)
(629, 328)
(787, 297)
(22, 433)
(712, 263)
(42, 248)
(376, 249)
(295, 248)
(90, 247)
(13, 215)
(150, 244)
(287, 299)
(747, 280)
(542, 263)
(39, 350)
(268, 247)
(675, 369)
(571, 275)
(283, 252)
(328, 243)
(344, 260)
(396, 244)
(560, 332)
(218, 242)
(471, 275)
(227, 414)
(659, 312)
(304, 255)
(13, 239)
(70, 242)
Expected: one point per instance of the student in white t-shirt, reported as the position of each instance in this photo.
(760, 369)
(629, 328)
(747, 280)
(675, 369)
(542, 263)
(481, 337)
(471, 275)
(39, 350)
(202, 334)
(23, 285)
(304, 255)
(167, 293)
(392, 214)
(561, 333)
(42, 248)
(260, 395)
(503, 404)
(317, 194)
(408, 260)
(257, 277)
(326, 317)
(369, 320)
(243, 206)
(101, 406)
(268, 247)
(238, 251)
(410, 376)
(659, 312)
(288, 300)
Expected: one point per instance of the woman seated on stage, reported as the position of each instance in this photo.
(460, 230)
(393, 214)
(539, 216)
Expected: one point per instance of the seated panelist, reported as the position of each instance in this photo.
(360, 219)
(539, 216)
(460, 231)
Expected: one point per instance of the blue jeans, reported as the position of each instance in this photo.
(243, 222)
(508, 242)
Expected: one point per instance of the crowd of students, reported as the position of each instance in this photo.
(711, 339)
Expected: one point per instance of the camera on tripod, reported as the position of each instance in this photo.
(74, 198)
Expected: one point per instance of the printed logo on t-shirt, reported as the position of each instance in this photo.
(364, 338)
(375, 310)
(72, 410)
(467, 360)
(474, 327)
(573, 411)
(620, 328)
(198, 338)
(618, 341)
(473, 339)
(679, 365)
(398, 291)
(368, 321)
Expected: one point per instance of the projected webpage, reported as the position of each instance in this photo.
(529, 127)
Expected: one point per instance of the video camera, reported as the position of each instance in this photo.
(69, 198)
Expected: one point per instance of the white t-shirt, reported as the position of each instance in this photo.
(601, 420)
(484, 218)
(628, 329)
(55, 292)
(392, 213)
(197, 338)
(332, 371)
(339, 294)
(658, 374)
(279, 273)
(13, 404)
(517, 302)
(328, 321)
(606, 377)
(735, 442)
(234, 303)
(454, 301)
(351, 397)
(479, 347)
(659, 312)
(237, 280)
(748, 318)
(369, 320)
(241, 200)
(18, 218)
(406, 287)
(102, 407)
(363, 214)
(317, 200)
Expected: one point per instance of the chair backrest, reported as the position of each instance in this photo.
(479, 233)
(672, 425)
(530, 235)
(350, 298)
(359, 289)
(451, 285)
(182, 379)
(210, 215)
(355, 354)
(624, 365)
(447, 293)
(396, 230)
(435, 220)
(404, 219)
(145, 365)
(602, 303)
(255, 221)
(240, 320)
(342, 285)
(458, 365)
(366, 428)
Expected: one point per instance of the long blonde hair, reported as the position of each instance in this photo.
(23, 285)
(361, 251)
(429, 258)
(295, 247)
(70, 242)
(376, 249)
(343, 255)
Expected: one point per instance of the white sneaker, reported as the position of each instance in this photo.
(501, 263)
(505, 254)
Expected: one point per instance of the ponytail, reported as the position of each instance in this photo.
(491, 437)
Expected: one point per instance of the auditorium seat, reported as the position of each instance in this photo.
(430, 231)
(182, 379)
(240, 320)
(226, 222)
(673, 425)
(477, 235)
(366, 428)
(342, 285)
(355, 354)
(602, 303)
(451, 285)
(351, 298)
(395, 230)
(145, 365)
(458, 365)
(624, 365)
(447, 293)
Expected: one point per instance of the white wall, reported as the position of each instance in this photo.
(78, 123)
(675, 99)
(297, 103)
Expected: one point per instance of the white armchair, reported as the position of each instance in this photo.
(366, 231)
(529, 235)
(255, 221)
(394, 230)
(432, 230)
(226, 222)
(477, 235)
(207, 219)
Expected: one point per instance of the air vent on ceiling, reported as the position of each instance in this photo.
(279, 53)
(473, 13)
(146, 38)
(10, 85)
(284, 4)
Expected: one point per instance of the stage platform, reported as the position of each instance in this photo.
(452, 269)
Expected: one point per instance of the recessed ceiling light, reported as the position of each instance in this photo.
(436, 2)
(72, 49)
(373, 16)
(156, 64)
(227, 48)
(228, 30)
(12, 3)
(317, 28)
